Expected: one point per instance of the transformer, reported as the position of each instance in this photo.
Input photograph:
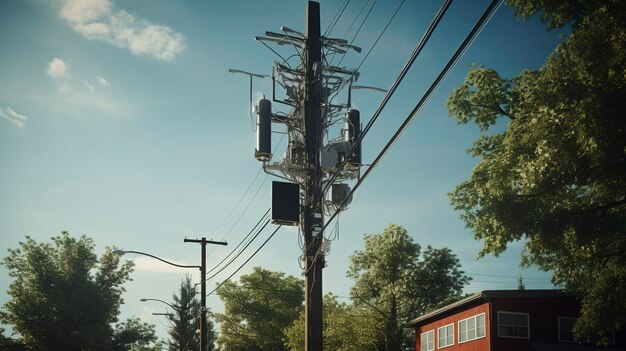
(352, 131)
(263, 151)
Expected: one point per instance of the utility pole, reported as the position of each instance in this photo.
(316, 179)
(313, 213)
(203, 242)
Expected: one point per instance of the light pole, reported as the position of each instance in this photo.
(178, 309)
(202, 269)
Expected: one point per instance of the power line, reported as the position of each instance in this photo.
(380, 36)
(336, 18)
(241, 251)
(241, 242)
(356, 18)
(237, 204)
(455, 57)
(248, 260)
(418, 48)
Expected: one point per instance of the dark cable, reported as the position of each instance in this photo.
(455, 57)
(420, 45)
(248, 260)
(241, 242)
(240, 251)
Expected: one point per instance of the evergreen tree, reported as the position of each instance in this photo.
(185, 321)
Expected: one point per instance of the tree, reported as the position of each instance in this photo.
(394, 282)
(556, 177)
(186, 320)
(258, 310)
(63, 297)
(346, 327)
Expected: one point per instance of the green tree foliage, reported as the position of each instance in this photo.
(398, 282)
(64, 298)
(556, 177)
(186, 320)
(258, 310)
(346, 327)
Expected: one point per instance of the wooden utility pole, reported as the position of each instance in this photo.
(203, 331)
(313, 203)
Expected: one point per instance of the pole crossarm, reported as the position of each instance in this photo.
(121, 252)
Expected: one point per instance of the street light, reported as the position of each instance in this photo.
(251, 75)
(202, 267)
(178, 309)
(361, 87)
(203, 307)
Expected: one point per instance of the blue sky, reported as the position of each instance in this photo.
(119, 120)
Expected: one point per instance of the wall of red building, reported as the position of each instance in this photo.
(543, 320)
(481, 344)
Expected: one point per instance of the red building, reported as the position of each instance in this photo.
(505, 320)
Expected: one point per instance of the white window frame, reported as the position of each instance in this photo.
(514, 313)
(432, 332)
(445, 327)
(561, 318)
(475, 317)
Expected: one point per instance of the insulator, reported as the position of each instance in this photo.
(352, 131)
(263, 151)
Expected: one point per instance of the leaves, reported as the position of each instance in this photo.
(63, 298)
(556, 177)
(395, 284)
(262, 301)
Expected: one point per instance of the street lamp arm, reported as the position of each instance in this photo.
(121, 252)
(175, 308)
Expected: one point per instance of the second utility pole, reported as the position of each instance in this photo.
(312, 219)
(203, 331)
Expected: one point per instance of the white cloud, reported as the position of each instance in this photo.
(14, 117)
(103, 81)
(83, 11)
(96, 20)
(57, 68)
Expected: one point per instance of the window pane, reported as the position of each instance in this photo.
(480, 321)
(521, 332)
(471, 324)
(480, 331)
(505, 319)
(505, 330)
(520, 320)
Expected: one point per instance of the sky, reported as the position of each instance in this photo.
(119, 120)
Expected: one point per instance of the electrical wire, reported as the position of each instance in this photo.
(240, 252)
(246, 262)
(238, 202)
(379, 36)
(241, 242)
(418, 49)
(482, 21)
(336, 18)
(356, 18)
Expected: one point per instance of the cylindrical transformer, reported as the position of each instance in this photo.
(352, 131)
(263, 151)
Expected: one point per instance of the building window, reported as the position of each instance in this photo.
(566, 329)
(445, 336)
(472, 328)
(513, 325)
(427, 341)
